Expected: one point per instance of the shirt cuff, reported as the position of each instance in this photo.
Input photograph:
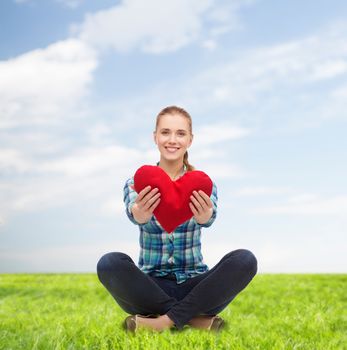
(210, 220)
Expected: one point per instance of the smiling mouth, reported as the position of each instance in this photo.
(172, 149)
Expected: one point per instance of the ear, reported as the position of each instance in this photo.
(154, 137)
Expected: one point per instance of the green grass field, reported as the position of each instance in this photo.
(74, 311)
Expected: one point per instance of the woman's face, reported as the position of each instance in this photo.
(173, 136)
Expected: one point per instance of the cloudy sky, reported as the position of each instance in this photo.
(82, 81)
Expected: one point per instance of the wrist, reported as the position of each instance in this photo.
(205, 220)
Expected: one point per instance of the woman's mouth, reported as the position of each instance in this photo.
(172, 149)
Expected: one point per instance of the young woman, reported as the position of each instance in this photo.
(172, 286)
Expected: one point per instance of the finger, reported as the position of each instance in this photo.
(206, 198)
(150, 201)
(143, 193)
(200, 200)
(193, 209)
(196, 203)
(155, 204)
(147, 194)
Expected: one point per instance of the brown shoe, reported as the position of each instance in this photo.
(217, 324)
(130, 323)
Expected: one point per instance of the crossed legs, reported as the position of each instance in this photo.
(206, 294)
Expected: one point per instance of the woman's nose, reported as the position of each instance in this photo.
(172, 138)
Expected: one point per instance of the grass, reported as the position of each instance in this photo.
(74, 311)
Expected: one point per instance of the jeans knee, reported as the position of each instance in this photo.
(246, 260)
(249, 261)
(109, 262)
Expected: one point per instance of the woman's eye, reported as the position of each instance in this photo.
(181, 134)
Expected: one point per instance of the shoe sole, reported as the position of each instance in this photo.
(217, 324)
(130, 324)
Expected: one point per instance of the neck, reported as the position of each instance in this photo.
(173, 169)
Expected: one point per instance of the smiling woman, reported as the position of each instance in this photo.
(173, 136)
(172, 286)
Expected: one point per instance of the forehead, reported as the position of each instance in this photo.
(173, 121)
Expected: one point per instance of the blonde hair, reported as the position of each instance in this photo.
(178, 110)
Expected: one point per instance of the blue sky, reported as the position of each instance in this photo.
(82, 81)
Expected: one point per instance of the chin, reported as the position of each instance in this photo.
(172, 157)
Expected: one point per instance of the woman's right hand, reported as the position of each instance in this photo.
(145, 203)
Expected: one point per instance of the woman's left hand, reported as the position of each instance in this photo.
(201, 206)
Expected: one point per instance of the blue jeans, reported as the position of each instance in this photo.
(206, 294)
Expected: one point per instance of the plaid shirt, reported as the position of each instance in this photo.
(178, 253)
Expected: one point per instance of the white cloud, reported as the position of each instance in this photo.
(209, 44)
(284, 253)
(71, 3)
(156, 27)
(98, 133)
(256, 85)
(261, 191)
(340, 93)
(92, 160)
(2, 220)
(207, 135)
(259, 77)
(85, 174)
(152, 25)
(329, 69)
(13, 161)
(221, 169)
(44, 84)
(293, 257)
(303, 198)
(309, 204)
(23, 143)
(67, 3)
(113, 206)
(77, 258)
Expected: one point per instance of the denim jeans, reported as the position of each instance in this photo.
(206, 294)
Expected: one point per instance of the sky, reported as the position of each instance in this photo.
(81, 83)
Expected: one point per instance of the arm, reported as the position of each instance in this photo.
(129, 197)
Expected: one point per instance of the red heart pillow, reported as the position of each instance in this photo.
(173, 209)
